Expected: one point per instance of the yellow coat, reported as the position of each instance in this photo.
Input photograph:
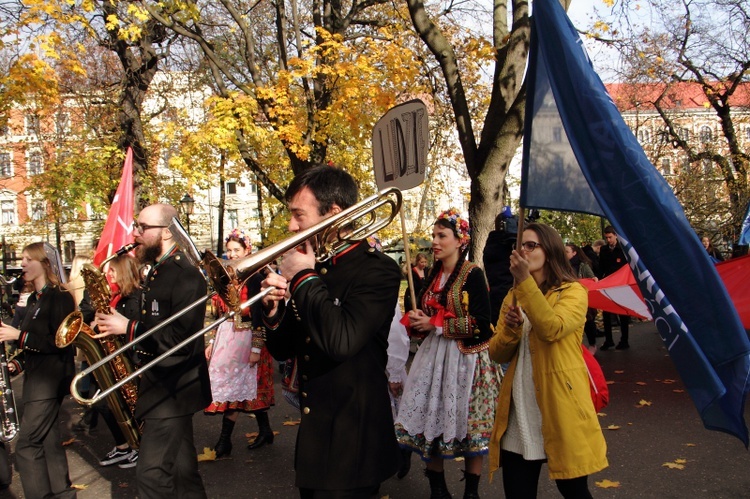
(573, 439)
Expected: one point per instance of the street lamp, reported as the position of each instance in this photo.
(187, 204)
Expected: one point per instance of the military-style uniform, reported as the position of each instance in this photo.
(170, 393)
(336, 324)
(40, 456)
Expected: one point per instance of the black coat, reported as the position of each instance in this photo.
(611, 259)
(336, 325)
(179, 385)
(496, 259)
(48, 369)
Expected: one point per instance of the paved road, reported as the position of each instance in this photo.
(716, 465)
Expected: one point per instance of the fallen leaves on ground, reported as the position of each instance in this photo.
(678, 391)
(79, 486)
(610, 382)
(607, 484)
(251, 435)
(643, 403)
(69, 441)
(291, 423)
(642, 383)
(601, 414)
(669, 381)
(613, 427)
(619, 372)
(674, 466)
(689, 445)
(208, 455)
(123, 485)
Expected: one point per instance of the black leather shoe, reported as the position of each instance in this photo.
(622, 346)
(261, 440)
(606, 346)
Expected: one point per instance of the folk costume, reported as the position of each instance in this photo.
(449, 397)
(336, 325)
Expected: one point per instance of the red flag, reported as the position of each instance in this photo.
(617, 293)
(118, 229)
(736, 274)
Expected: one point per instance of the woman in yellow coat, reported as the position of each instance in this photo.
(544, 411)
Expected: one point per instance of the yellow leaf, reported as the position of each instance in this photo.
(619, 372)
(679, 391)
(607, 484)
(610, 382)
(668, 381)
(601, 414)
(79, 486)
(613, 427)
(644, 403)
(680, 461)
(251, 435)
(690, 445)
(673, 466)
(291, 423)
(68, 442)
(640, 383)
(208, 455)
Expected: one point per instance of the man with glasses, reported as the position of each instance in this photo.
(170, 393)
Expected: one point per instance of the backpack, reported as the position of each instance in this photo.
(597, 382)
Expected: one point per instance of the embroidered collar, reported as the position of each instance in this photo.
(343, 251)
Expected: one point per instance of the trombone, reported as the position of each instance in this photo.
(351, 225)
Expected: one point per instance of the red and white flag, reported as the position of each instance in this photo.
(118, 229)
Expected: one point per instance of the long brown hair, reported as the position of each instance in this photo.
(128, 276)
(36, 252)
(556, 265)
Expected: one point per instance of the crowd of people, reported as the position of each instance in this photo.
(498, 374)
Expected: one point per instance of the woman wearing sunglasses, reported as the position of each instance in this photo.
(544, 412)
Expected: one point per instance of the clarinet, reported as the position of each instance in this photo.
(8, 415)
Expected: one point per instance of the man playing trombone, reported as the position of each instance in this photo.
(335, 323)
(170, 393)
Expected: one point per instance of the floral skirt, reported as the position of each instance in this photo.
(448, 404)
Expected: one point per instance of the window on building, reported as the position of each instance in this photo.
(62, 123)
(233, 219)
(38, 211)
(4, 130)
(231, 187)
(407, 210)
(429, 208)
(6, 166)
(8, 212)
(747, 133)
(685, 165)
(253, 186)
(684, 134)
(666, 166)
(557, 134)
(32, 124)
(706, 134)
(644, 135)
(35, 164)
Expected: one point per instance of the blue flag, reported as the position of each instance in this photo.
(745, 234)
(579, 155)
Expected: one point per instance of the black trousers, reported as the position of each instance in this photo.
(361, 493)
(40, 456)
(521, 479)
(624, 326)
(167, 461)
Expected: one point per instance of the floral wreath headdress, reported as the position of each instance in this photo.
(460, 224)
(238, 233)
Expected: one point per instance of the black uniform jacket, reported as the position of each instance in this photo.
(48, 369)
(179, 385)
(336, 324)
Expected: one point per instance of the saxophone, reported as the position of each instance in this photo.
(8, 415)
(74, 331)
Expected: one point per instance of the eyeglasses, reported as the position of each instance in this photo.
(144, 227)
(530, 246)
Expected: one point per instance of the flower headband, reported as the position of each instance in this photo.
(461, 225)
(238, 233)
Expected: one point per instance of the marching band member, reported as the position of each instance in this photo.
(336, 325)
(40, 456)
(171, 392)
